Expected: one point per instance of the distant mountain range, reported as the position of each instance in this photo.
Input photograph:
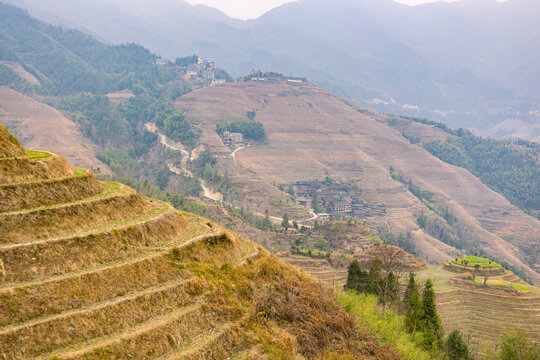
(471, 63)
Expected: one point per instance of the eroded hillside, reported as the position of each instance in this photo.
(92, 270)
(312, 134)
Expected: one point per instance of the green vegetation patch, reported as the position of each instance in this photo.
(32, 154)
(521, 287)
(251, 130)
(390, 326)
(471, 261)
(502, 166)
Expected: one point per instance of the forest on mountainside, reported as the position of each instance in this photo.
(511, 170)
(69, 61)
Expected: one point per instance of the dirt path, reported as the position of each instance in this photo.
(208, 193)
(233, 155)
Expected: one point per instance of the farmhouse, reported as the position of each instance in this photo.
(340, 206)
(233, 139)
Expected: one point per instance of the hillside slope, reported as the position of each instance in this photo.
(312, 134)
(41, 127)
(92, 270)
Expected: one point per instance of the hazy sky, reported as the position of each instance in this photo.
(251, 9)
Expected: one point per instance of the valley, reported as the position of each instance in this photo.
(160, 209)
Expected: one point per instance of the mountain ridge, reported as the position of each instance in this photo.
(456, 63)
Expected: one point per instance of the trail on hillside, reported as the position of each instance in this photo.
(233, 155)
(165, 141)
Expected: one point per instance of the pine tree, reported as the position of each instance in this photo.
(390, 292)
(456, 348)
(285, 222)
(430, 318)
(357, 279)
(353, 276)
(413, 306)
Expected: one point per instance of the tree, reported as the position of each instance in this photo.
(422, 221)
(413, 306)
(430, 317)
(295, 224)
(328, 181)
(285, 222)
(355, 277)
(178, 128)
(251, 115)
(456, 348)
(162, 178)
(315, 205)
(515, 345)
(374, 277)
(475, 271)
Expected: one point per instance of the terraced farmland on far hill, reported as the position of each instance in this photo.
(313, 134)
(484, 313)
(91, 270)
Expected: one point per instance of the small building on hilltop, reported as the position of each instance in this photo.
(233, 139)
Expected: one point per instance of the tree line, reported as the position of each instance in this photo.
(251, 130)
(513, 172)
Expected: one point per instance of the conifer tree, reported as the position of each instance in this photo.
(353, 276)
(413, 306)
(357, 279)
(285, 222)
(456, 348)
(390, 294)
(430, 318)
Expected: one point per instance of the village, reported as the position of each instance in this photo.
(201, 72)
(335, 200)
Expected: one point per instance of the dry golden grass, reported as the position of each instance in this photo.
(114, 203)
(9, 145)
(40, 127)
(107, 274)
(28, 168)
(311, 134)
(25, 195)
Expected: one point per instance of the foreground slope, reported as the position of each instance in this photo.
(312, 134)
(92, 270)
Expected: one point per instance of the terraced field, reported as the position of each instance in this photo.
(63, 231)
(484, 314)
(319, 269)
(91, 270)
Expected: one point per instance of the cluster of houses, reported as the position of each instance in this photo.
(273, 76)
(203, 70)
(335, 199)
(232, 139)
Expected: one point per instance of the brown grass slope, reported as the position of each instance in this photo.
(9, 145)
(312, 134)
(103, 273)
(40, 127)
(26, 168)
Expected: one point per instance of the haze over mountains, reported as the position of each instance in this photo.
(471, 63)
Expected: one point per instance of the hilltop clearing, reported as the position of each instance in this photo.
(311, 134)
(92, 270)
